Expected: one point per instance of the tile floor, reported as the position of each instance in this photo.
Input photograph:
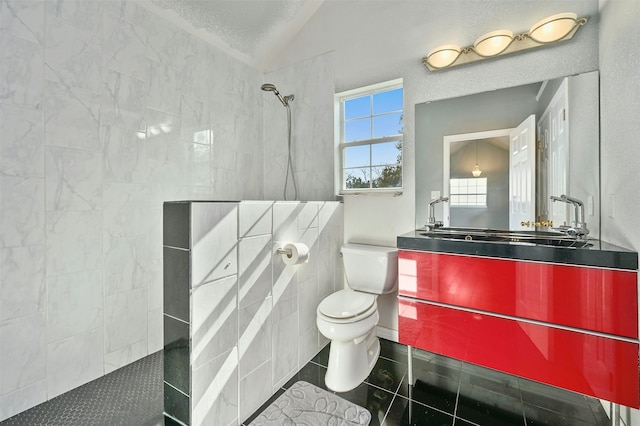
(446, 392)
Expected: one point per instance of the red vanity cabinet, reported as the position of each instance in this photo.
(571, 326)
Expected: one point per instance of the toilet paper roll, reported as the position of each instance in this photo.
(299, 254)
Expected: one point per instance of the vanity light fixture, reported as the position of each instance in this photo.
(555, 28)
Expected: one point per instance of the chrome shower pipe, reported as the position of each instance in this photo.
(268, 87)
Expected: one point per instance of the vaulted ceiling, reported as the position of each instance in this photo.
(269, 34)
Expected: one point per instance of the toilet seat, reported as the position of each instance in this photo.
(347, 306)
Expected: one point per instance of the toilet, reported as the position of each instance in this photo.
(349, 317)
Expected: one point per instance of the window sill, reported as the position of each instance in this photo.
(396, 192)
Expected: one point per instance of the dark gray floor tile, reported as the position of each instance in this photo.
(538, 416)
(387, 374)
(322, 357)
(394, 351)
(404, 412)
(436, 396)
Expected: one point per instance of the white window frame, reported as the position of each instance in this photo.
(339, 100)
(456, 205)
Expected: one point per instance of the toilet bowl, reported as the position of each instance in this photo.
(349, 317)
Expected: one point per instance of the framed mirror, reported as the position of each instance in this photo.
(529, 142)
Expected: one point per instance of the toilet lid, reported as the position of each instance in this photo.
(346, 304)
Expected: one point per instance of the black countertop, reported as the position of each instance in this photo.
(598, 253)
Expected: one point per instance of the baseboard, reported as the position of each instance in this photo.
(387, 333)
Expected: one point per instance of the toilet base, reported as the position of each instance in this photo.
(350, 363)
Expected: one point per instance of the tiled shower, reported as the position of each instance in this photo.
(107, 111)
(238, 322)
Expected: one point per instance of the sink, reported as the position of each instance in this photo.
(546, 238)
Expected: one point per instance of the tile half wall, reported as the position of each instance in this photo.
(238, 322)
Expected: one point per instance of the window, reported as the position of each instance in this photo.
(370, 142)
(468, 192)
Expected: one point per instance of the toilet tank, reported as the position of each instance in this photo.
(371, 269)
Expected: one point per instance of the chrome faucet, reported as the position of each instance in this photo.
(578, 227)
(432, 223)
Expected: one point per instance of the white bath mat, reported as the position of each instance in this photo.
(304, 404)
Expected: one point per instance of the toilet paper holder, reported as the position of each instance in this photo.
(288, 252)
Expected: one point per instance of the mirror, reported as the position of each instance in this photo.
(530, 142)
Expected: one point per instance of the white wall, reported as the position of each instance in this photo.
(101, 103)
(620, 109)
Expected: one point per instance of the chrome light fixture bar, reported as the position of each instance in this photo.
(555, 28)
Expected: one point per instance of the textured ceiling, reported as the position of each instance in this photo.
(271, 34)
(252, 30)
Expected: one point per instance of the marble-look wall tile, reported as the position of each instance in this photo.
(254, 343)
(72, 117)
(124, 47)
(285, 221)
(21, 142)
(331, 237)
(255, 218)
(74, 241)
(74, 361)
(125, 319)
(254, 269)
(215, 391)
(22, 72)
(126, 210)
(75, 304)
(198, 156)
(196, 121)
(22, 281)
(308, 301)
(255, 389)
(72, 57)
(213, 240)
(74, 179)
(23, 360)
(285, 349)
(82, 15)
(123, 101)
(214, 320)
(163, 91)
(22, 213)
(22, 399)
(124, 155)
(23, 19)
(126, 355)
(154, 332)
(284, 287)
(125, 260)
(163, 137)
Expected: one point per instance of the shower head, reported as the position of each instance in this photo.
(268, 87)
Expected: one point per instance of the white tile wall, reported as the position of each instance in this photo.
(264, 314)
(106, 111)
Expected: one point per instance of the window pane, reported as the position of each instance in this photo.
(387, 125)
(357, 178)
(387, 176)
(358, 107)
(385, 153)
(357, 130)
(387, 101)
(356, 156)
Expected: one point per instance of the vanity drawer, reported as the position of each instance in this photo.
(590, 298)
(594, 365)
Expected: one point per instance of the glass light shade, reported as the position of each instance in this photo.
(476, 172)
(553, 28)
(493, 43)
(443, 56)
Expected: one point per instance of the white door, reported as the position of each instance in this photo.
(522, 169)
(553, 129)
